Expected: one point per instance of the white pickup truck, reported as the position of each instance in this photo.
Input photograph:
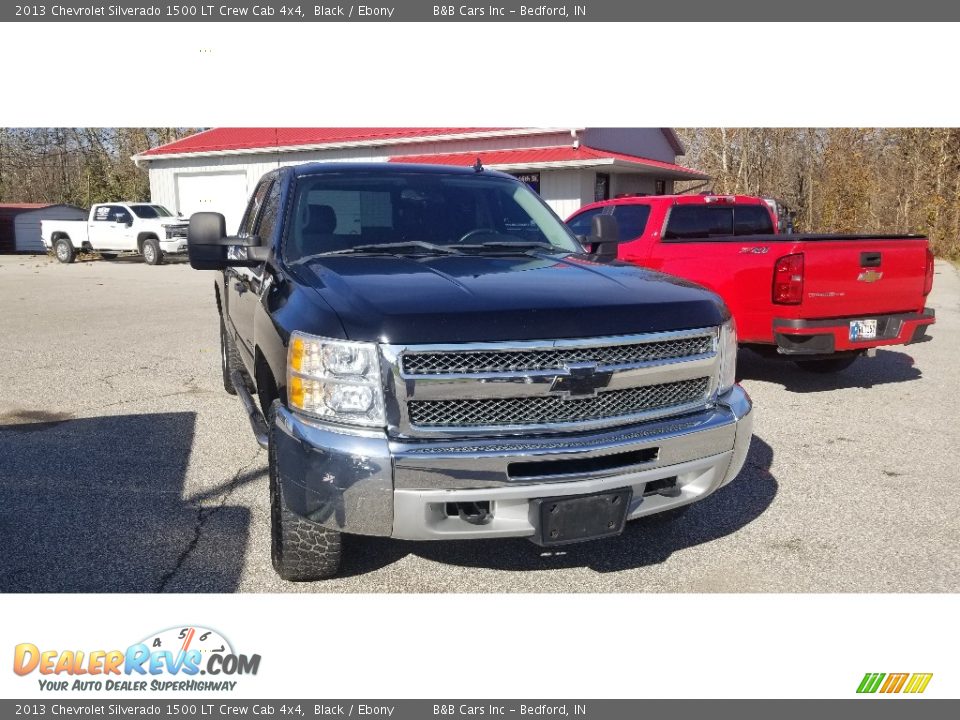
(114, 228)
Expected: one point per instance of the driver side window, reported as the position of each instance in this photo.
(581, 225)
(249, 224)
(268, 216)
(120, 215)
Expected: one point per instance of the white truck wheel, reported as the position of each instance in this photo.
(64, 250)
(152, 254)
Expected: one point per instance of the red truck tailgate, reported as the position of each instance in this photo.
(848, 276)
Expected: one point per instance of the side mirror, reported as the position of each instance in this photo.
(210, 248)
(604, 236)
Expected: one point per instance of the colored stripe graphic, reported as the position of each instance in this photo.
(894, 683)
(918, 682)
(870, 682)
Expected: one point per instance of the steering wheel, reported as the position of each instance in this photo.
(477, 231)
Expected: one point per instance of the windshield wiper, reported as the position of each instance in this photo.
(515, 245)
(413, 247)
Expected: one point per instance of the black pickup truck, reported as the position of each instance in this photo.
(428, 353)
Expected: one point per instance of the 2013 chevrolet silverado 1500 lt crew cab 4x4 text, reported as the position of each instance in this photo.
(820, 300)
(114, 228)
(436, 357)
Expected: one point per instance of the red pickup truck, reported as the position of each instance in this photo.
(820, 300)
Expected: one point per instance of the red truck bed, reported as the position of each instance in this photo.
(807, 295)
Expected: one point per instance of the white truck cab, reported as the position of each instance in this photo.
(113, 228)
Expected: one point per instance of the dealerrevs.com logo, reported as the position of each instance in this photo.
(177, 659)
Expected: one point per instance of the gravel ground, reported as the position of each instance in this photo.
(125, 467)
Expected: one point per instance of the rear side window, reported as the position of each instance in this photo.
(102, 213)
(752, 220)
(698, 221)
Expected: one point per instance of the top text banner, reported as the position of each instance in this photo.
(497, 11)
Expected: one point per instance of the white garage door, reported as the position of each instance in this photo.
(224, 193)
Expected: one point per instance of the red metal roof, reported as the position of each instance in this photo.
(560, 156)
(227, 139)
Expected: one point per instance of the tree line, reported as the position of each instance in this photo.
(77, 166)
(851, 180)
(882, 180)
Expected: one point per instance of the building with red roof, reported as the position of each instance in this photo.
(217, 169)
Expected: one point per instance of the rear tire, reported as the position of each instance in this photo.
(300, 550)
(64, 251)
(829, 365)
(152, 254)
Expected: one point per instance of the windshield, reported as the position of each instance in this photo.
(419, 213)
(150, 211)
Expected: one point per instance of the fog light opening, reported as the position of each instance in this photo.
(667, 487)
(475, 513)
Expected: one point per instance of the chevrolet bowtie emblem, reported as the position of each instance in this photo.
(869, 276)
(580, 381)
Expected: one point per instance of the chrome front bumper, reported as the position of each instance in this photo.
(173, 246)
(366, 484)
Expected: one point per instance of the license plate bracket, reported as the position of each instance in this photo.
(576, 518)
(863, 329)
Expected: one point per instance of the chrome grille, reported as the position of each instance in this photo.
(549, 409)
(501, 361)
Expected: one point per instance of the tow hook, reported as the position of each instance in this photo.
(472, 513)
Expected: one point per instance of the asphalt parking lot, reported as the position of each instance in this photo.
(125, 467)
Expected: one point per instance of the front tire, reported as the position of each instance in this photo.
(300, 550)
(64, 250)
(827, 365)
(152, 254)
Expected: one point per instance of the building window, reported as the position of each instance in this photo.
(660, 187)
(601, 187)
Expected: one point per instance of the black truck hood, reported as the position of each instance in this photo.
(452, 299)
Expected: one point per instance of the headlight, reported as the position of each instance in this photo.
(728, 356)
(335, 380)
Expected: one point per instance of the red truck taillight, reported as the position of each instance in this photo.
(788, 280)
(928, 277)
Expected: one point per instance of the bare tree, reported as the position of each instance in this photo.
(843, 179)
(80, 166)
